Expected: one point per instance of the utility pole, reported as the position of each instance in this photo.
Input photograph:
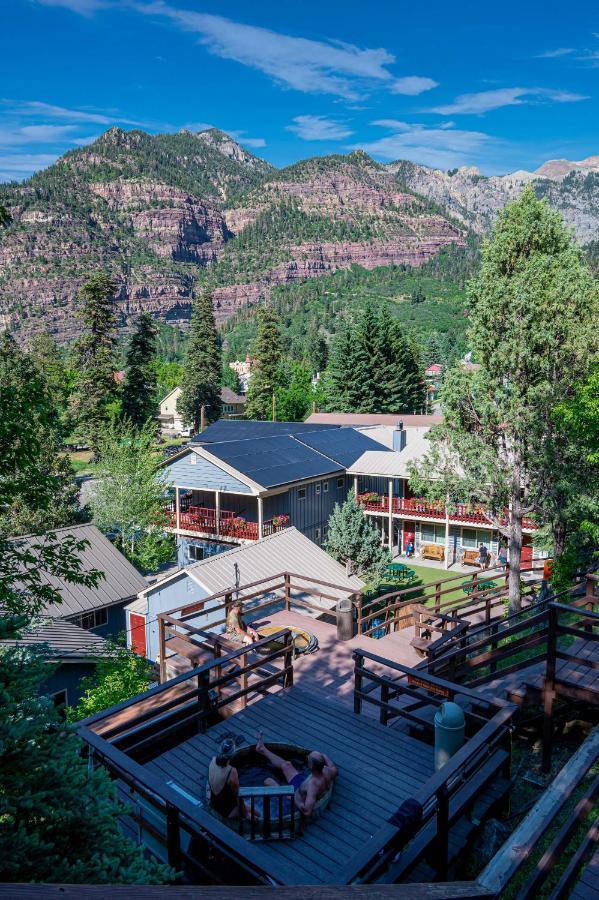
(202, 417)
(274, 407)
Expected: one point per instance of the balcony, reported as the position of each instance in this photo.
(426, 509)
(203, 520)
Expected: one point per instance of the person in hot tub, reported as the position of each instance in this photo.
(308, 788)
(222, 788)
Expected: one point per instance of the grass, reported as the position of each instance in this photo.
(81, 461)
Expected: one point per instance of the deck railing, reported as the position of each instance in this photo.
(430, 509)
(228, 524)
(400, 693)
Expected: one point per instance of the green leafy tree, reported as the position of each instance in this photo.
(140, 386)
(130, 494)
(230, 378)
(532, 309)
(294, 402)
(59, 382)
(95, 388)
(200, 384)
(353, 539)
(168, 377)
(266, 352)
(117, 677)
(26, 509)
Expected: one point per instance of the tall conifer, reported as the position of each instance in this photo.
(266, 353)
(200, 385)
(139, 389)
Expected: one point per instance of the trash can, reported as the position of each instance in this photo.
(449, 732)
(345, 620)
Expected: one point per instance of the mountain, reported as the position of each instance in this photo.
(475, 200)
(168, 214)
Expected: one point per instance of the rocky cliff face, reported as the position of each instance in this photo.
(169, 214)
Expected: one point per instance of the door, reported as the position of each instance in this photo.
(409, 535)
(526, 558)
(137, 624)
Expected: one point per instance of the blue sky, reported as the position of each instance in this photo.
(498, 86)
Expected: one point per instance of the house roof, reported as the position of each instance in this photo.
(408, 420)
(175, 390)
(285, 551)
(392, 464)
(121, 582)
(272, 461)
(244, 429)
(65, 640)
(229, 396)
(434, 369)
(343, 445)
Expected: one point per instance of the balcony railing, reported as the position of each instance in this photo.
(426, 509)
(203, 520)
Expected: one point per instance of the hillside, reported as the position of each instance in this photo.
(167, 214)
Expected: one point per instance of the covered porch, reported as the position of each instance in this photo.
(224, 515)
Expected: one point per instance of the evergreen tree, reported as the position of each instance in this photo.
(26, 509)
(351, 537)
(294, 402)
(139, 389)
(533, 315)
(200, 384)
(266, 353)
(339, 374)
(95, 387)
(45, 355)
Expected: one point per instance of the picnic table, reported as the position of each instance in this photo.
(399, 572)
(482, 585)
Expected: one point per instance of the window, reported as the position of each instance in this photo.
(340, 483)
(318, 534)
(473, 538)
(195, 552)
(59, 698)
(94, 619)
(301, 493)
(325, 487)
(432, 534)
(317, 490)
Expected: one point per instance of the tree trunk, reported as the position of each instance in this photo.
(559, 539)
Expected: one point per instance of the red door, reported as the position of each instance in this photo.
(137, 625)
(409, 534)
(526, 557)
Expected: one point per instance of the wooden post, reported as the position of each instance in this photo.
(384, 712)
(260, 517)
(358, 663)
(202, 418)
(244, 679)
(438, 596)
(549, 687)
(274, 407)
(217, 511)
(173, 836)
(177, 509)
(287, 591)
(203, 700)
(161, 648)
(494, 630)
(442, 832)
(446, 564)
(359, 602)
(356, 485)
(391, 516)
(288, 660)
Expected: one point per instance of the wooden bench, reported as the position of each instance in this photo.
(470, 558)
(433, 551)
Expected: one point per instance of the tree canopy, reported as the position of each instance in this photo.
(201, 381)
(351, 537)
(266, 353)
(140, 386)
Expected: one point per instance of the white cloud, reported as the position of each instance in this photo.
(484, 101)
(16, 135)
(253, 142)
(318, 128)
(21, 165)
(437, 147)
(50, 111)
(330, 67)
(554, 54)
(412, 85)
(83, 7)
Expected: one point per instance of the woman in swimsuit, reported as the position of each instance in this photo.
(223, 784)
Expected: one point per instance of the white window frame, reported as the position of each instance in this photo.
(340, 483)
(480, 537)
(318, 487)
(325, 487)
(195, 548)
(438, 533)
(301, 493)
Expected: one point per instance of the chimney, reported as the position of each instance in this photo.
(399, 437)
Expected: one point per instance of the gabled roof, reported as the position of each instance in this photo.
(285, 551)
(242, 430)
(372, 419)
(121, 582)
(343, 445)
(65, 640)
(229, 396)
(170, 394)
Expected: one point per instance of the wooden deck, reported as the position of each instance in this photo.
(379, 768)
(587, 887)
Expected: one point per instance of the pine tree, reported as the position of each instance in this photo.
(95, 387)
(200, 385)
(266, 353)
(351, 537)
(44, 354)
(339, 374)
(139, 389)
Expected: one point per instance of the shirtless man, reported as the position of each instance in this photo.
(308, 790)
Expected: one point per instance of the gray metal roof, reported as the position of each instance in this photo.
(343, 445)
(64, 639)
(285, 551)
(246, 429)
(122, 581)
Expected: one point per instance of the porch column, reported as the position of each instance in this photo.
(401, 537)
(356, 485)
(177, 509)
(391, 516)
(447, 532)
(217, 511)
(260, 518)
